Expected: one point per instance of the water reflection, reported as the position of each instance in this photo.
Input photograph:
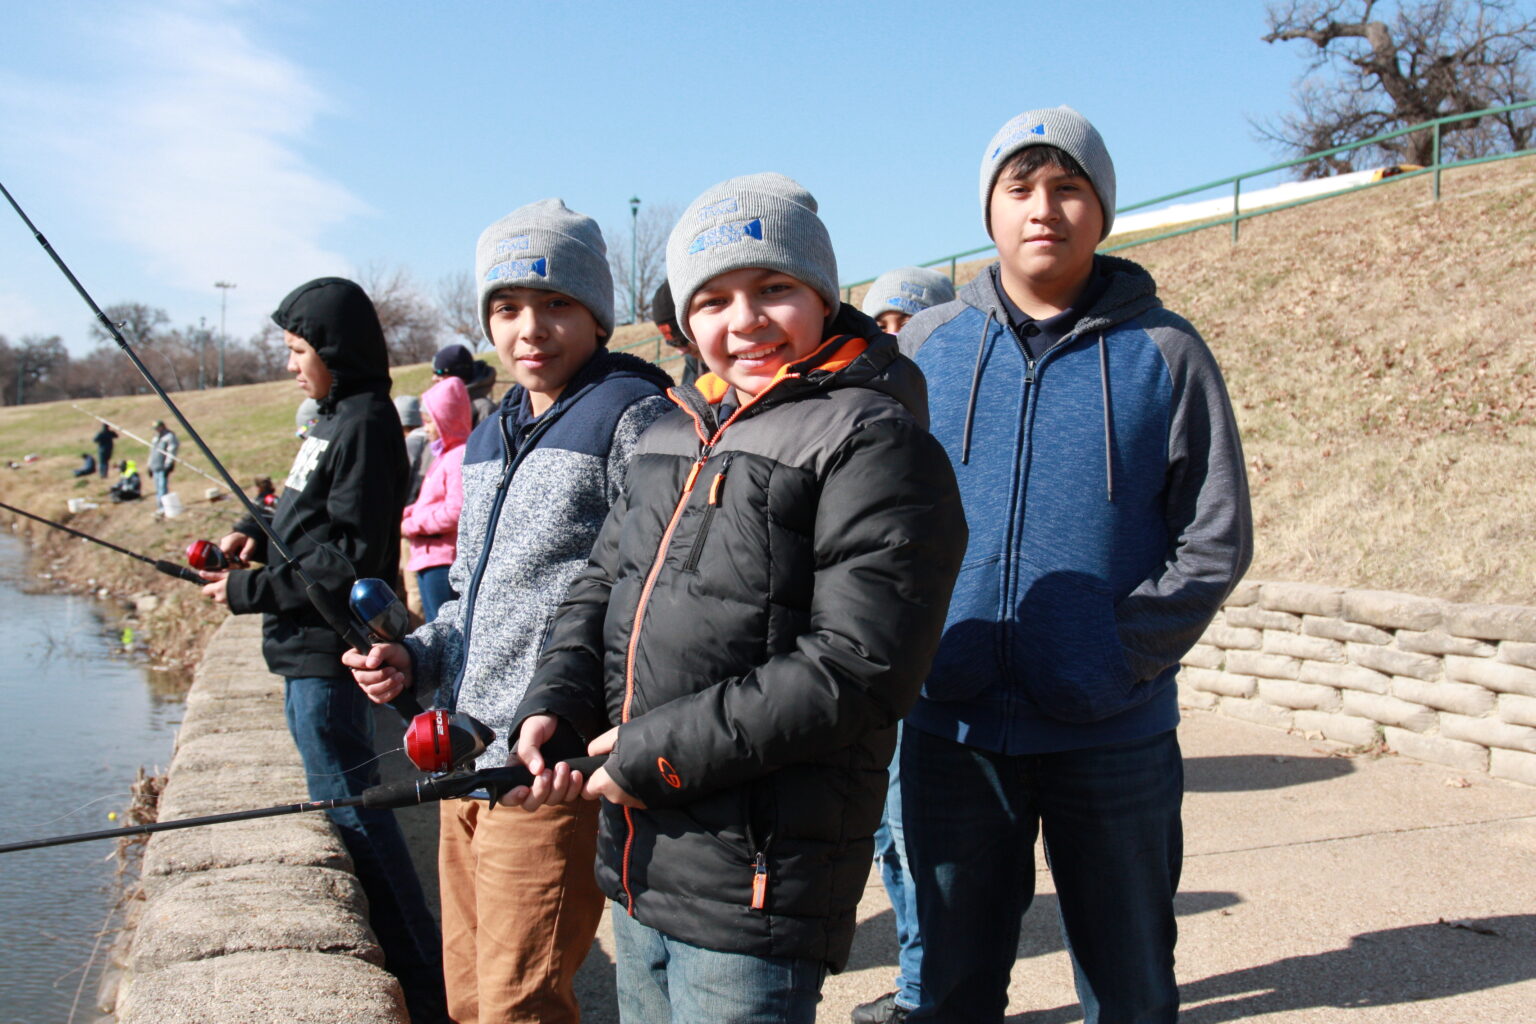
(79, 724)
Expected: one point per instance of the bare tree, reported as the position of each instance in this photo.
(140, 323)
(458, 304)
(1368, 74)
(412, 324)
(648, 239)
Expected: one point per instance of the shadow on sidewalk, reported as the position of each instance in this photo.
(1242, 773)
(874, 945)
(1383, 968)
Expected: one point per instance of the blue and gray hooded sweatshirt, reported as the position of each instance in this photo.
(1105, 491)
(536, 493)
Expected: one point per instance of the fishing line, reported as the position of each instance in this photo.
(338, 619)
(346, 771)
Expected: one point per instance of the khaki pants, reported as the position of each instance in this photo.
(520, 909)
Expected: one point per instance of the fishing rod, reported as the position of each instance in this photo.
(175, 569)
(406, 793)
(349, 630)
(148, 444)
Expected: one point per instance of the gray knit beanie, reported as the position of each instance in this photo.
(409, 408)
(544, 245)
(1069, 132)
(756, 220)
(907, 290)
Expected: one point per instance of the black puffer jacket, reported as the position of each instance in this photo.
(789, 572)
(339, 511)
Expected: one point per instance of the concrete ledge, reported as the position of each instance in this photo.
(255, 920)
(1453, 684)
(291, 986)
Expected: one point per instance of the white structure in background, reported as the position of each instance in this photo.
(1279, 195)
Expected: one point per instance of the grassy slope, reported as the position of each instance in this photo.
(1379, 348)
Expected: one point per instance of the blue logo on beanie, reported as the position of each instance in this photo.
(1013, 137)
(904, 304)
(517, 243)
(727, 234)
(718, 208)
(514, 269)
(918, 292)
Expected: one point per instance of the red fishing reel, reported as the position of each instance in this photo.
(440, 740)
(207, 556)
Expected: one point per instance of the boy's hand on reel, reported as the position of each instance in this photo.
(383, 673)
(238, 547)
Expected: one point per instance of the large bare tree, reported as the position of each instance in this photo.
(459, 305)
(412, 324)
(1374, 67)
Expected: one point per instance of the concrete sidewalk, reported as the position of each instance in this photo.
(1317, 888)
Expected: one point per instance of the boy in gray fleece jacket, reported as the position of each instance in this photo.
(520, 905)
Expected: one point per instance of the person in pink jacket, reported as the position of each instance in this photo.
(431, 523)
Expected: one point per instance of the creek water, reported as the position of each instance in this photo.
(80, 721)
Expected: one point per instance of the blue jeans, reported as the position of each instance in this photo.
(332, 724)
(1114, 843)
(162, 485)
(435, 591)
(891, 852)
(662, 980)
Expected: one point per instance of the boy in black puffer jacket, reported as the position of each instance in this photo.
(757, 615)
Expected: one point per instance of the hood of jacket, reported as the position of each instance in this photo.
(338, 320)
(447, 402)
(1129, 293)
(854, 352)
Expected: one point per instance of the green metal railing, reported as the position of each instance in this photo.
(1238, 215)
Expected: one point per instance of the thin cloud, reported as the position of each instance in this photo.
(194, 157)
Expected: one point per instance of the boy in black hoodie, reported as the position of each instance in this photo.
(339, 514)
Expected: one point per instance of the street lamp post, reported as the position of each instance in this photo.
(223, 287)
(634, 248)
(202, 353)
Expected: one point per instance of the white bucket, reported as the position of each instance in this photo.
(171, 505)
(77, 504)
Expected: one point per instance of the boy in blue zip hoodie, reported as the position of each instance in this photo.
(1103, 482)
(520, 905)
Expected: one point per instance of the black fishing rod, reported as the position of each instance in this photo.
(175, 569)
(408, 793)
(353, 633)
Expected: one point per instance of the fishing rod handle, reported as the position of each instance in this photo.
(181, 572)
(446, 787)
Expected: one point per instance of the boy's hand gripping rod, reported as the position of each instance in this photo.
(175, 569)
(343, 624)
(408, 793)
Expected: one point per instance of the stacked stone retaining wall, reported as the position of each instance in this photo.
(1454, 684)
(257, 920)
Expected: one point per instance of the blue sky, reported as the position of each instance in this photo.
(163, 146)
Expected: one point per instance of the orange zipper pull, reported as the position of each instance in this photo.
(760, 883)
(714, 488)
(693, 474)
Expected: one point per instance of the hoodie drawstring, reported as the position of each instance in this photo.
(970, 405)
(1109, 446)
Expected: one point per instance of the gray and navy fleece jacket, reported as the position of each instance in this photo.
(757, 616)
(535, 496)
(1107, 500)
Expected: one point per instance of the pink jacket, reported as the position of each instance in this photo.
(431, 524)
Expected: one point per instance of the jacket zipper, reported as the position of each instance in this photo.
(509, 468)
(707, 449)
(709, 514)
